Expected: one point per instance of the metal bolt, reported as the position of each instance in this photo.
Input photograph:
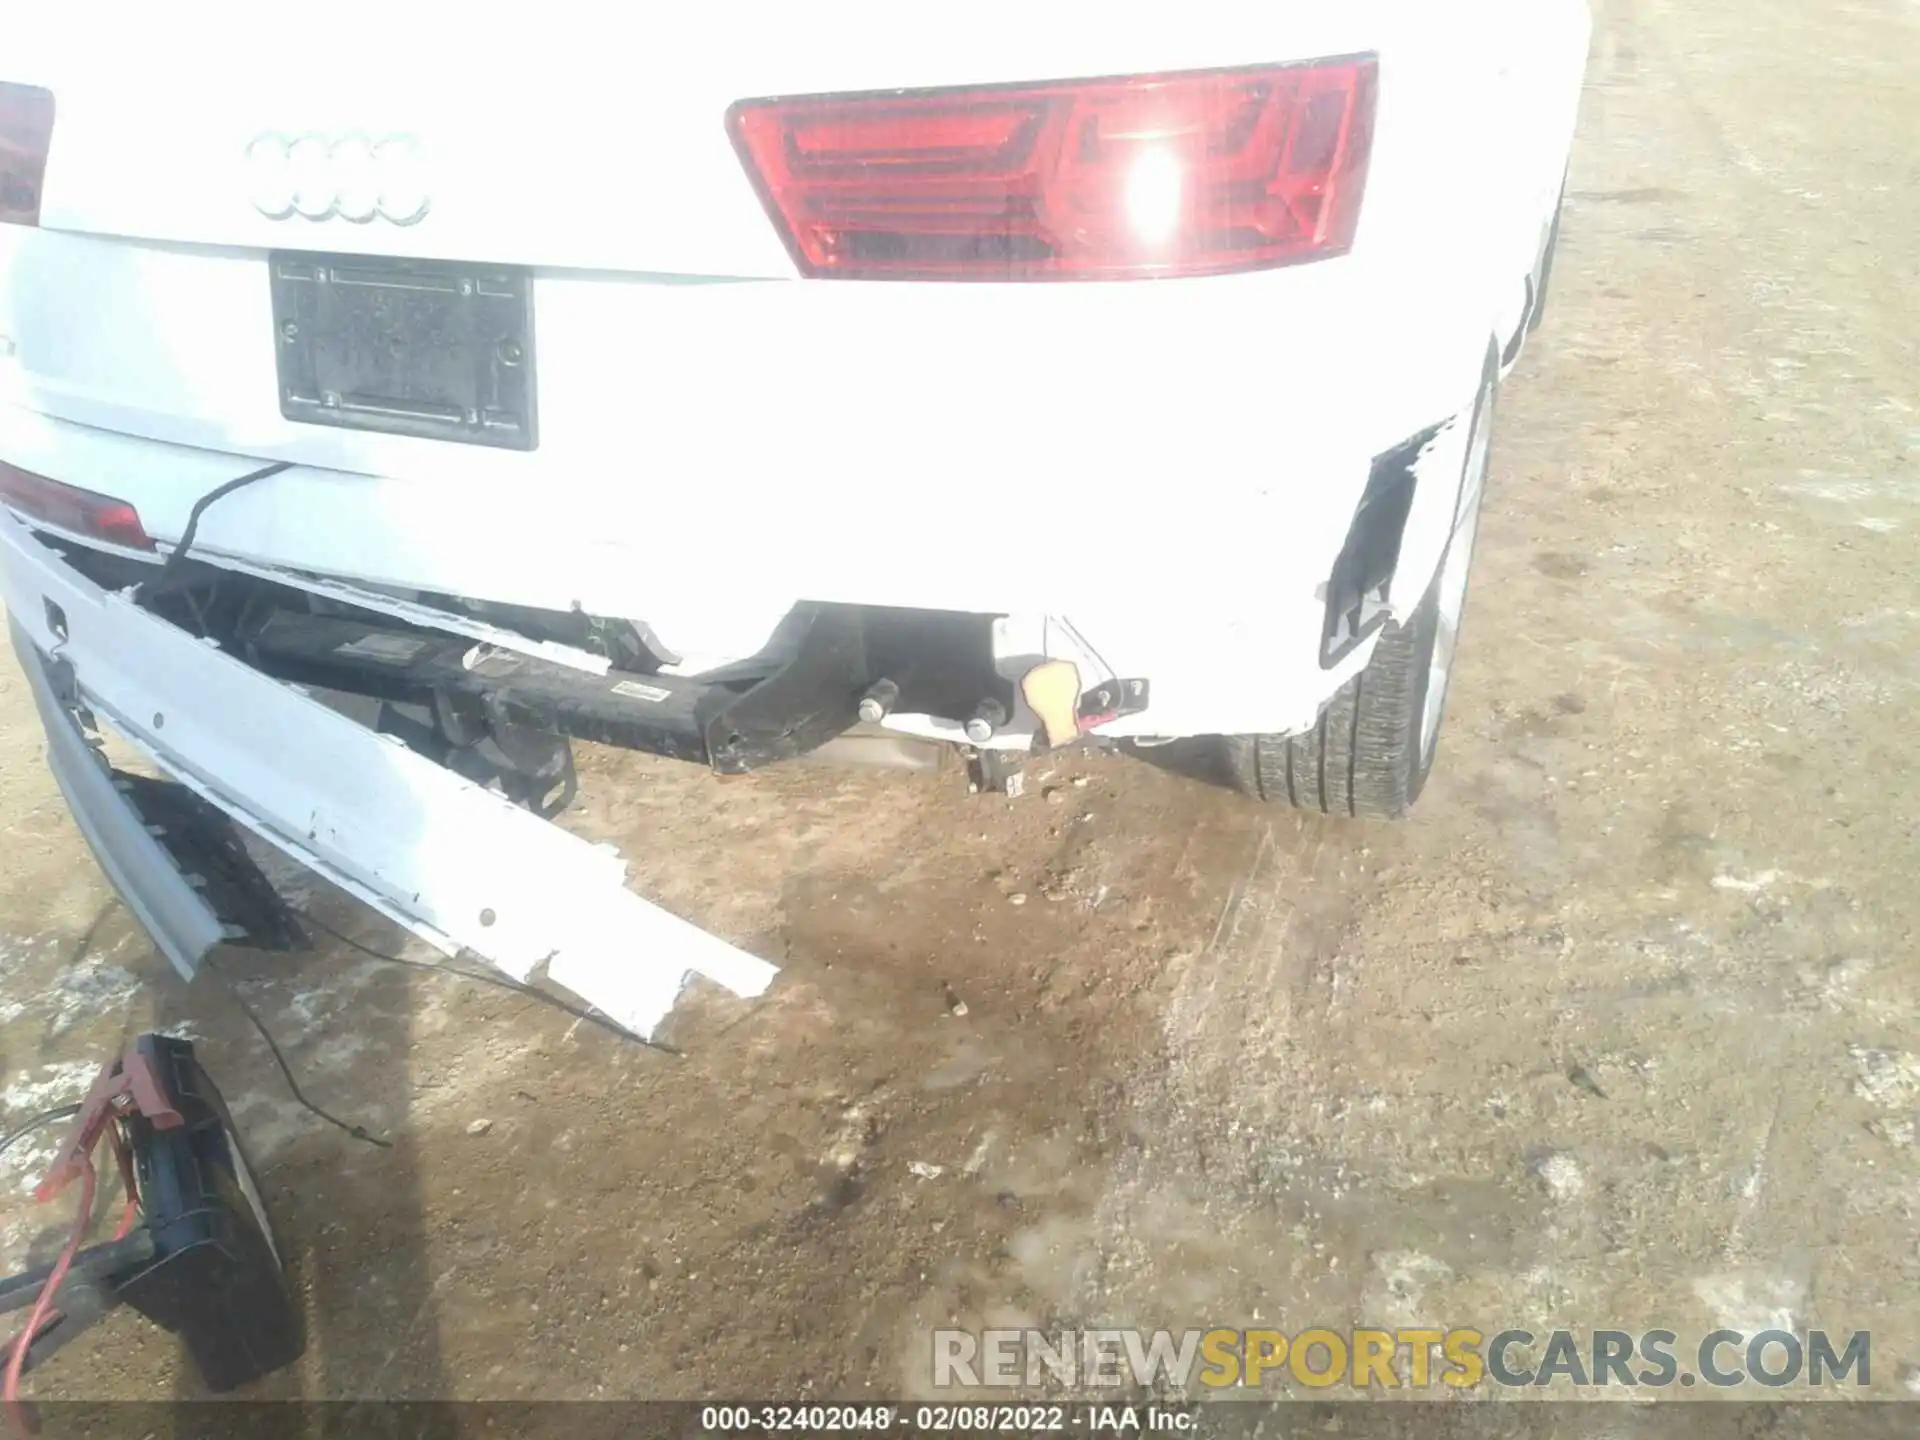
(290, 332)
(879, 701)
(511, 353)
(473, 417)
(466, 287)
(331, 400)
(988, 718)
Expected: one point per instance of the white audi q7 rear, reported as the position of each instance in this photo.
(387, 402)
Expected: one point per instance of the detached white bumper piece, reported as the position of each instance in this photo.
(455, 864)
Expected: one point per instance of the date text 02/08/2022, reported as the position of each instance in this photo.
(947, 1419)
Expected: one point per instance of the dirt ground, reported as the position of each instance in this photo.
(1623, 1029)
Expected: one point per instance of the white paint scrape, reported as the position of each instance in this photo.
(1887, 1078)
(44, 1087)
(1750, 1303)
(1561, 1174)
(1744, 885)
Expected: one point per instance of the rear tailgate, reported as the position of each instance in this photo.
(554, 143)
(594, 153)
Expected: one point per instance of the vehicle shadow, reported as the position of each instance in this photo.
(349, 1213)
(81, 981)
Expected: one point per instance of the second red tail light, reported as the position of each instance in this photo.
(1196, 173)
(26, 130)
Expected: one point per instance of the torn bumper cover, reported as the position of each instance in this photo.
(458, 866)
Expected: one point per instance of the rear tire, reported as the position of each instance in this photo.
(1373, 749)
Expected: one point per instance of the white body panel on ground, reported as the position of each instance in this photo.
(459, 866)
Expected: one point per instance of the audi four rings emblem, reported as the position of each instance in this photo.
(355, 177)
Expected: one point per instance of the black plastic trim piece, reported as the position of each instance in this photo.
(430, 348)
(1359, 589)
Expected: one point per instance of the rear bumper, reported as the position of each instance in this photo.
(1219, 595)
(458, 866)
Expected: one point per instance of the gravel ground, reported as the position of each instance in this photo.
(1620, 1031)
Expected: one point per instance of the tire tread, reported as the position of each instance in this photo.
(1361, 759)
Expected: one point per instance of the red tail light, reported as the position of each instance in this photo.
(69, 508)
(26, 129)
(1197, 173)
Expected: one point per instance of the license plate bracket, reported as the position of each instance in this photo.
(433, 348)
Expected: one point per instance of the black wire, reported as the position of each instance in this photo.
(499, 982)
(45, 1117)
(357, 1131)
(502, 982)
(176, 562)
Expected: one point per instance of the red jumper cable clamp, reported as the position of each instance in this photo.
(194, 1250)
